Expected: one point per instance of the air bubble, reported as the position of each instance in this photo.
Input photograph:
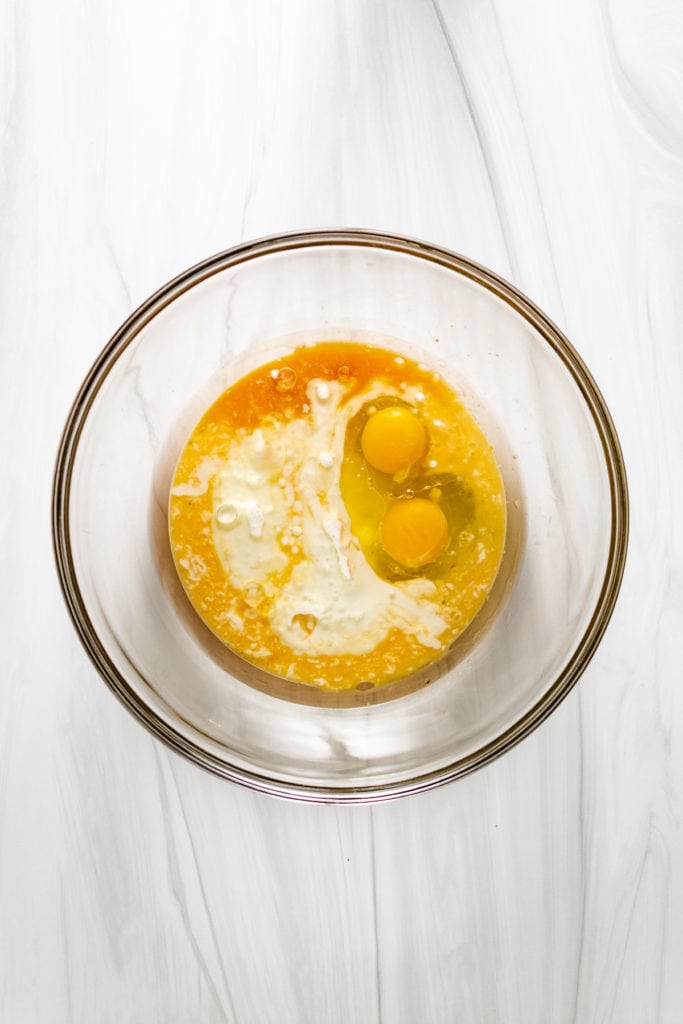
(226, 515)
(285, 380)
(253, 596)
(306, 622)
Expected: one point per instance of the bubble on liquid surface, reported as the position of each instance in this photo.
(285, 380)
(226, 515)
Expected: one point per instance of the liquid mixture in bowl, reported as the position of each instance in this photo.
(337, 517)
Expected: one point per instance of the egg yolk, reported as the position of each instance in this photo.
(414, 532)
(393, 439)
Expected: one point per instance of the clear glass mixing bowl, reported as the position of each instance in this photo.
(567, 508)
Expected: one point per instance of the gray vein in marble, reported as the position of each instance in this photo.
(12, 82)
(136, 371)
(629, 928)
(375, 916)
(68, 959)
(650, 120)
(109, 245)
(532, 164)
(232, 294)
(6, 733)
(228, 1015)
(486, 158)
(583, 842)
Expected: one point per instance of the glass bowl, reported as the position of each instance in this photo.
(553, 436)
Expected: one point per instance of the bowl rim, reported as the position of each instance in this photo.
(353, 237)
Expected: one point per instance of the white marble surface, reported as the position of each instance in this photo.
(542, 139)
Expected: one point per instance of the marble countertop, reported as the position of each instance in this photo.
(544, 141)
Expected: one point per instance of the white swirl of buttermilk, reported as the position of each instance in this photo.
(333, 602)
